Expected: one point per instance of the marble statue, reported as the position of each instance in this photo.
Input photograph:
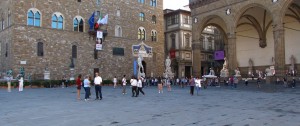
(211, 72)
(168, 72)
(250, 69)
(224, 71)
(168, 62)
(139, 60)
(237, 72)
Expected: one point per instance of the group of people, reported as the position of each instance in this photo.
(86, 84)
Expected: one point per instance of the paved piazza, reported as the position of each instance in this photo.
(245, 106)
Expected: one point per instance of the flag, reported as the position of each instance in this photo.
(103, 20)
(92, 20)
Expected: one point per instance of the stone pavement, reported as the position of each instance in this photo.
(224, 106)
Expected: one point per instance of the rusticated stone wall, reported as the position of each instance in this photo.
(22, 39)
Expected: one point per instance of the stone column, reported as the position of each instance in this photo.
(196, 46)
(231, 57)
(279, 49)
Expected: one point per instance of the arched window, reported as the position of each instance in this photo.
(30, 18)
(37, 19)
(74, 51)
(118, 31)
(141, 33)
(57, 21)
(142, 16)
(153, 19)
(40, 49)
(153, 36)
(153, 3)
(33, 17)
(78, 24)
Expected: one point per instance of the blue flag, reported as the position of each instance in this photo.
(92, 20)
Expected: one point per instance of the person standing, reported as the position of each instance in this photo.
(198, 84)
(115, 81)
(98, 82)
(133, 83)
(246, 82)
(21, 84)
(63, 81)
(124, 84)
(192, 85)
(140, 86)
(168, 82)
(87, 85)
(294, 82)
(258, 82)
(160, 85)
(78, 85)
(235, 82)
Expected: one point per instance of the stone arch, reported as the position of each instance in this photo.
(285, 7)
(244, 9)
(209, 20)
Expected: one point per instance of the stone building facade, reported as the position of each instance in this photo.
(178, 35)
(263, 31)
(39, 34)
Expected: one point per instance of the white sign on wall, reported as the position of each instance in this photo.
(22, 62)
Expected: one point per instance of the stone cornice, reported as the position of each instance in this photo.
(198, 3)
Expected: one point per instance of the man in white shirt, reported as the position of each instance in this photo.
(98, 82)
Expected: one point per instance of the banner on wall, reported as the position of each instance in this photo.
(219, 55)
(99, 40)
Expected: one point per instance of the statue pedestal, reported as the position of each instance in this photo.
(141, 75)
(47, 75)
(224, 73)
(268, 80)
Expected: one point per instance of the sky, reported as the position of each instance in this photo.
(176, 4)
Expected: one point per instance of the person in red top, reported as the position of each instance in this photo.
(78, 83)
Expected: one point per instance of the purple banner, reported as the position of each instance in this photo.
(219, 55)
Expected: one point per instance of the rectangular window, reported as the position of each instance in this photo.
(79, 0)
(98, 2)
(40, 49)
(74, 51)
(118, 51)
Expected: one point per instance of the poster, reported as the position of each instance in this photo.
(99, 34)
(98, 43)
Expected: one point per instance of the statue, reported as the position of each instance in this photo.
(211, 71)
(168, 62)
(9, 73)
(225, 64)
(292, 67)
(250, 69)
(22, 72)
(237, 72)
(168, 72)
(224, 71)
(140, 59)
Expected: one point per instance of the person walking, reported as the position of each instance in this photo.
(294, 82)
(78, 85)
(235, 82)
(168, 82)
(160, 85)
(246, 82)
(133, 83)
(87, 85)
(21, 84)
(198, 84)
(258, 82)
(140, 86)
(192, 85)
(98, 90)
(124, 84)
(115, 81)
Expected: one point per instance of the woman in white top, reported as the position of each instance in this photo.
(124, 85)
(198, 84)
(115, 82)
(133, 83)
(21, 81)
(87, 85)
(140, 86)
